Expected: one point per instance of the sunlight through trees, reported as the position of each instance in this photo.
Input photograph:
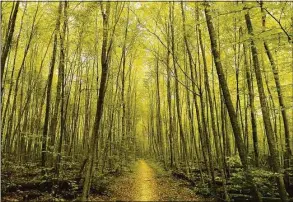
(204, 89)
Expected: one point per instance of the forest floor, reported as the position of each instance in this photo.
(149, 182)
(144, 180)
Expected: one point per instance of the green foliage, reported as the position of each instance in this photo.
(233, 161)
(142, 115)
(203, 189)
(100, 185)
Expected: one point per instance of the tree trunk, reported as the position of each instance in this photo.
(266, 114)
(105, 65)
(62, 76)
(49, 86)
(252, 108)
(169, 101)
(281, 101)
(8, 38)
(229, 105)
(177, 96)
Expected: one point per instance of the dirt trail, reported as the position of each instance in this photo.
(146, 183)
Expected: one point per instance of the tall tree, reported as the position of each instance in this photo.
(62, 78)
(252, 106)
(184, 153)
(49, 87)
(281, 100)
(8, 37)
(229, 105)
(265, 112)
(105, 59)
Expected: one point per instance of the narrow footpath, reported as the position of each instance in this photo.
(149, 183)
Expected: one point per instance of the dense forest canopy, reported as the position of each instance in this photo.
(203, 88)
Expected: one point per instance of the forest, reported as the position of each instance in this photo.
(147, 101)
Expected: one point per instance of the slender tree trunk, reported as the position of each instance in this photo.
(229, 105)
(283, 110)
(22, 66)
(62, 76)
(266, 113)
(184, 155)
(169, 100)
(123, 100)
(159, 118)
(49, 87)
(8, 38)
(210, 102)
(105, 66)
(252, 108)
(281, 101)
(11, 84)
